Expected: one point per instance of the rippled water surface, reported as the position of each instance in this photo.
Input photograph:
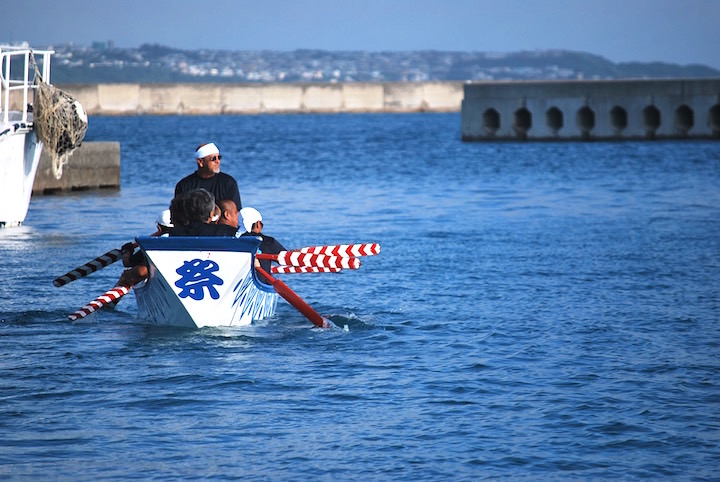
(539, 311)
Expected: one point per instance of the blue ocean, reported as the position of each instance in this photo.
(539, 311)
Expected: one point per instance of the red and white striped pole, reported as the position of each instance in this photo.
(106, 298)
(343, 250)
(295, 258)
(303, 269)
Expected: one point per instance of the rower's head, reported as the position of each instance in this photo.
(199, 205)
(229, 213)
(208, 160)
(252, 220)
(164, 224)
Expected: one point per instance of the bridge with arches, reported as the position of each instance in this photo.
(591, 110)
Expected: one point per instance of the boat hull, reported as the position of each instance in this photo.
(202, 281)
(19, 158)
(19, 146)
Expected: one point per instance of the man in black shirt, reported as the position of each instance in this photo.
(209, 177)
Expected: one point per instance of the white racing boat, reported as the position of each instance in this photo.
(198, 282)
(213, 281)
(19, 148)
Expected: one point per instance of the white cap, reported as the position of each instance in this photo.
(164, 219)
(249, 217)
(206, 150)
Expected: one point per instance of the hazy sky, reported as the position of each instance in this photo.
(676, 31)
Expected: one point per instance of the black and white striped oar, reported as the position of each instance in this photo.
(90, 267)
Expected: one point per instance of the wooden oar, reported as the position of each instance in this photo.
(296, 258)
(291, 297)
(111, 296)
(90, 267)
(343, 250)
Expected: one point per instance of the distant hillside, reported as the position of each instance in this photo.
(157, 63)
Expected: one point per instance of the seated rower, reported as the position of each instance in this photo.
(228, 214)
(252, 222)
(164, 224)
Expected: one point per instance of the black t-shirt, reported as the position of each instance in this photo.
(221, 185)
(268, 245)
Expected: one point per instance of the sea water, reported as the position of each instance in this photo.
(539, 311)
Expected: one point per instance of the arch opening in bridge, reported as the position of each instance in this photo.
(522, 122)
(684, 119)
(554, 119)
(618, 119)
(651, 120)
(585, 120)
(491, 121)
(714, 120)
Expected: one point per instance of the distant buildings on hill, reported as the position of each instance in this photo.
(103, 62)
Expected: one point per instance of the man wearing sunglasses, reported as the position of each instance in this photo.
(209, 177)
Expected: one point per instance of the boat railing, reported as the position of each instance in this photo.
(13, 80)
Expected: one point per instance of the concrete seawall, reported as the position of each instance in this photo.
(214, 99)
(93, 165)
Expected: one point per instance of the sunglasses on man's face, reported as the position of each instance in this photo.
(216, 158)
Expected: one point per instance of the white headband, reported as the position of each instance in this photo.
(206, 150)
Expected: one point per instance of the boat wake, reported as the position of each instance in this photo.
(348, 322)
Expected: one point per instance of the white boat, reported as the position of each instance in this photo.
(19, 148)
(202, 281)
(212, 281)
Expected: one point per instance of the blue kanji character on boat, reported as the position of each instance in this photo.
(196, 275)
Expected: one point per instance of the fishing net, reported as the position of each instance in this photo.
(60, 122)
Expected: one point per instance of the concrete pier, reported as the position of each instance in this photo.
(214, 99)
(591, 110)
(93, 165)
